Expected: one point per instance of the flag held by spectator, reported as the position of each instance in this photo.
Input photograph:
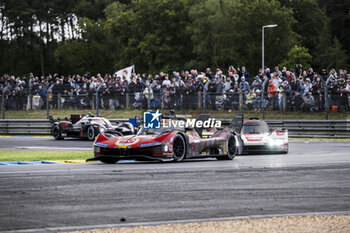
(125, 72)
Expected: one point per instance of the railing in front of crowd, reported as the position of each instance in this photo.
(232, 100)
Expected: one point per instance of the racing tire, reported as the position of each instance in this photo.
(179, 148)
(57, 133)
(90, 132)
(109, 160)
(231, 149)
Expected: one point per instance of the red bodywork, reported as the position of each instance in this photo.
(158, 144)
(161, 147)
(147, 145)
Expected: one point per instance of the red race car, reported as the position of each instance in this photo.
(171, 143)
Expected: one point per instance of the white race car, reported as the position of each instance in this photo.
(258, 137)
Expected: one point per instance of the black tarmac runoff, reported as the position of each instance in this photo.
(314, 177)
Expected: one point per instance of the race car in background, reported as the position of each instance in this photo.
(258, 137)
(170, 143)
(88, 126)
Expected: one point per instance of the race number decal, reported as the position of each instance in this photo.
(127, 141)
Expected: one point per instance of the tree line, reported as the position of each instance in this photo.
(102, 36)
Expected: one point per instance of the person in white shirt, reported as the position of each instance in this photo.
(228, 85)
(166, 82)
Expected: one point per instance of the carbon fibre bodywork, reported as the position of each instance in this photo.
(87, 127)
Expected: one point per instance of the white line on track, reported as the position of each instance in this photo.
(184, 221)
(55, 148)
(161, 167)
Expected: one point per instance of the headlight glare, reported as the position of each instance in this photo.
(165, 146)
(276, 142)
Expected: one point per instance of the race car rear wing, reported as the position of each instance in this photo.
(73, 118)
(237, 123)
(52, 120)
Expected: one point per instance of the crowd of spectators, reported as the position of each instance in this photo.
(296, 89)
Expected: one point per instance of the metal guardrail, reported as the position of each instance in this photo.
(296, 128)
(315, 128)
(25, 127)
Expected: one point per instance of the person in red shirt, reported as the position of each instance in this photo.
(272, 95)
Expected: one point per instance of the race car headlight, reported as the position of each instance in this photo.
(165, 146)
(276, 142)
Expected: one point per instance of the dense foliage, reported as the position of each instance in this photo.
(75, 36)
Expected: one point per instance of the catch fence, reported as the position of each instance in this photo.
(234, 100)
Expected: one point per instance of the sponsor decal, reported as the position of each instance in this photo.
(124, 142)
(101, 144)
(150, 144)
(151, 120)
(251, 137)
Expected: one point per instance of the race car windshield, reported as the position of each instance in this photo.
(255, 129)
(159, 131)
(166, 126)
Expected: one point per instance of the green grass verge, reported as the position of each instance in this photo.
(272, 115)
(43, 155)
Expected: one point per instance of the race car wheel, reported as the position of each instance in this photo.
(231, 149)
(91, 133)
(179, 148)
(57, 133)
(109, 160)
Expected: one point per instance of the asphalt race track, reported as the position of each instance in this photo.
(312, 178)
(42, 142)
